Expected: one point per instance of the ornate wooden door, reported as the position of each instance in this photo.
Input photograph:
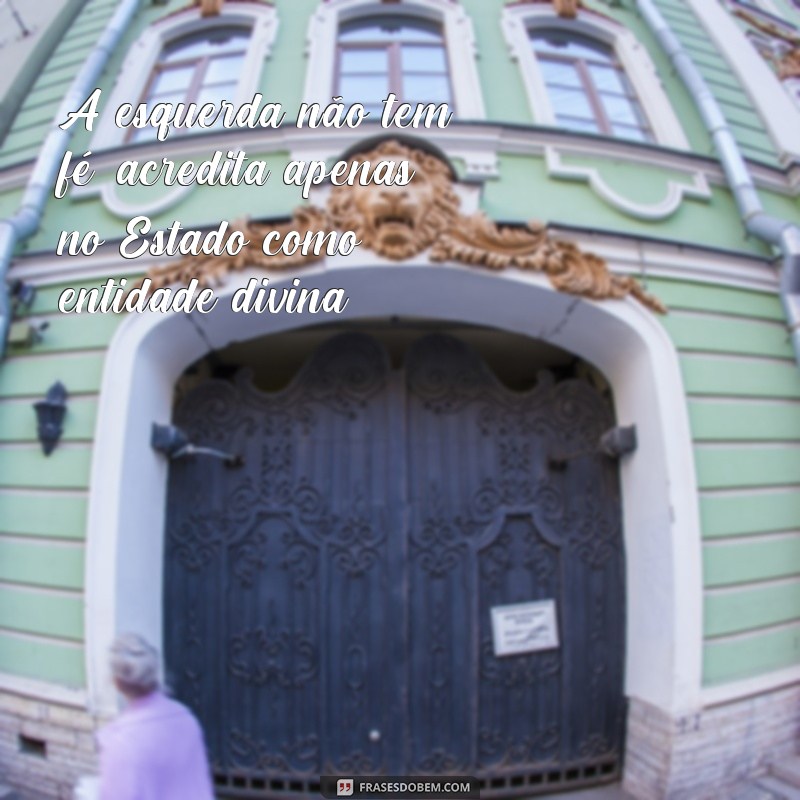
(327, 605)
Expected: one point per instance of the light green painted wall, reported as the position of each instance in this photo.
(743, 387)
(524, 191)
(747, 445)
(53, 661)
(43, 514)
(744, 404)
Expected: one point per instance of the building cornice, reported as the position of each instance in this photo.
(625, 254)
(477, 144)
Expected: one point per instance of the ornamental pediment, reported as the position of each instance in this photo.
(400, 223)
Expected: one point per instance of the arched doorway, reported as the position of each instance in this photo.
(416, 569)
(125, 537)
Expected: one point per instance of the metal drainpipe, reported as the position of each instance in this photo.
(25, 222)
(780, 233)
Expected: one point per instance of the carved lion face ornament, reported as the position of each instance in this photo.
(398, 222)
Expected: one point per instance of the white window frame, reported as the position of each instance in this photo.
(457, 30)
(518, 21)
(143, 55)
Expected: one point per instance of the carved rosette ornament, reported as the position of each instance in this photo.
(401, 222)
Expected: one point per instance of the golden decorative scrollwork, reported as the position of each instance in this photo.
(479, 241)
(402, 222)
(567, 8)
(564, 8)
(212, 270)
(788, 63)
(209, 8)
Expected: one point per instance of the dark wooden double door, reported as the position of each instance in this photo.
(327, 604)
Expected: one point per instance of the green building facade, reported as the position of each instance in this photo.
(583, 118)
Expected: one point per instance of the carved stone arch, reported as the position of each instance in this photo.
(125, 534)
(457, 29)
(518, 19)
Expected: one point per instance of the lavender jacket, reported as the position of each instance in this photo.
(154, 750)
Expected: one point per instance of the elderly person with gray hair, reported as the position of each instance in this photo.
(154, 750)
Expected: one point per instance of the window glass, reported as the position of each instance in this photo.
(176, 79)
(364, 61)
(416, 58)
(588, 88)
(397, 54)
(199, 68)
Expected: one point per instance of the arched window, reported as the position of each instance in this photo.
(200, 68)
(587, 86)
(399, 54)
(421, 50)
(589, 75)
(185, 57)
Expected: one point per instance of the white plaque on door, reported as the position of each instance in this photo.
(524, 627)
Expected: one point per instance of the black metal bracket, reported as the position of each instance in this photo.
(614, 443)
(174, 444)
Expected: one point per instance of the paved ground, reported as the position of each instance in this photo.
(613, 792)
(767, 788)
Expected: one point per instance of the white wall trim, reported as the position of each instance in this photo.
(459, 36)
(792, 87)
(109, 196)
(42, 691)
(678, 261)
(518, 20)
(778, 113)
(142, 56)
(761, 684)
(661, 518)
(698, 188)
(479, 146)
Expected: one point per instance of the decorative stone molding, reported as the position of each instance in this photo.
(518, 19)
(109, 196)
(459, 36)
(399, 223)
(676, 192)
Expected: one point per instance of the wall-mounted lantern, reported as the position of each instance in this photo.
(50, 414)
